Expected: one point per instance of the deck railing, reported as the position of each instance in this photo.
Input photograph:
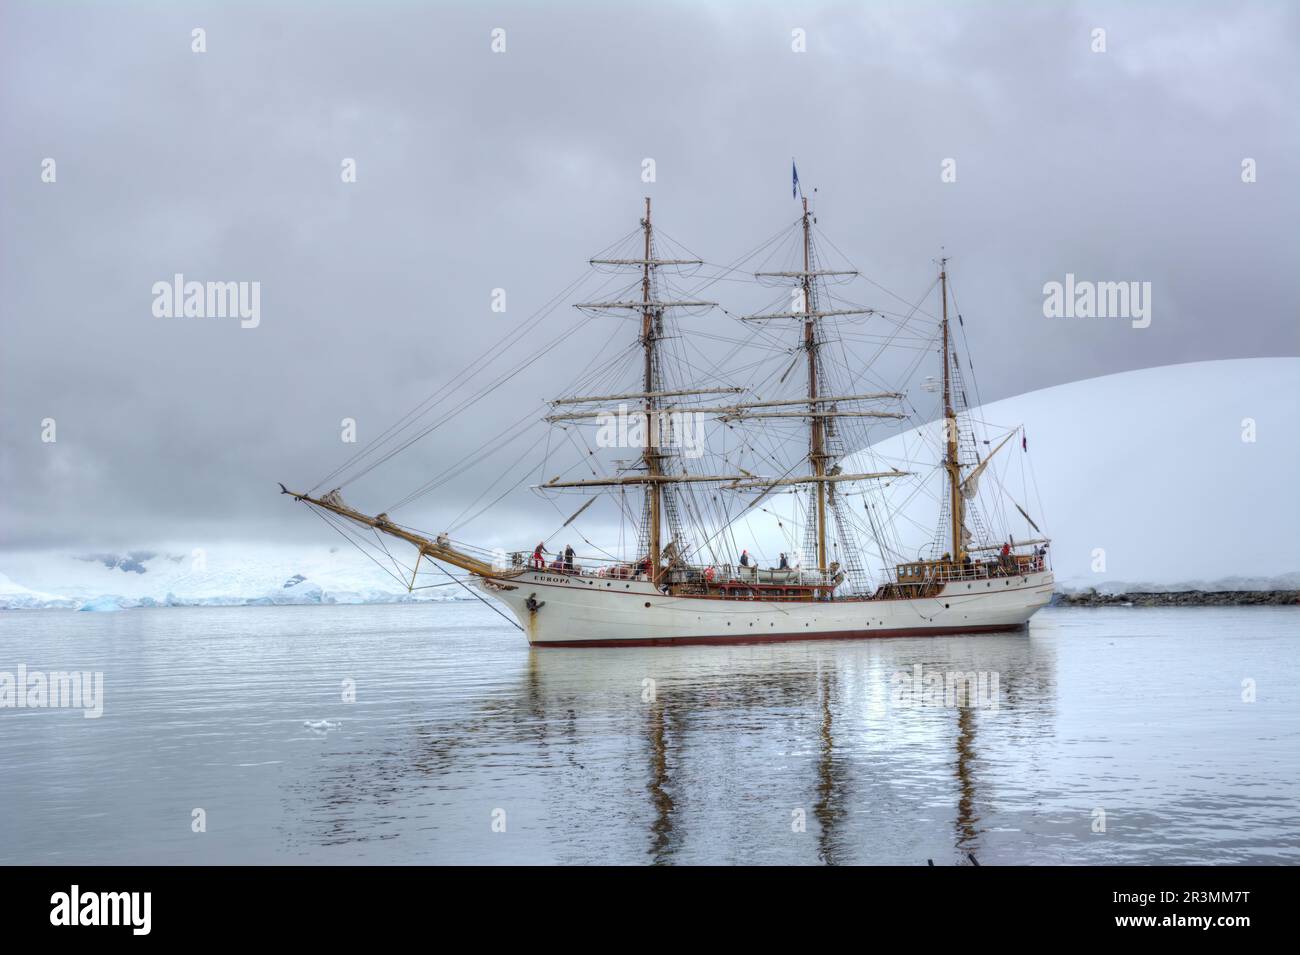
(913, 574)
(715, 574)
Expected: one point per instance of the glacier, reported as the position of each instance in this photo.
(224, 575)
(1179, 477)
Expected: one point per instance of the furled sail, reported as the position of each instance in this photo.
(970, 487)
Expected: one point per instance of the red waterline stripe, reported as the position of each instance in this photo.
(783, 637)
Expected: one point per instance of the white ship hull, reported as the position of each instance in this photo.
(580, 611)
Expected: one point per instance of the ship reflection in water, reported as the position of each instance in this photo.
(464, 745)
(841, 752)
(803, 752)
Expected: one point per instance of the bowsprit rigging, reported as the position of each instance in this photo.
(697, 423)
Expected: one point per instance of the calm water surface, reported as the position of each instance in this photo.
(456, 722)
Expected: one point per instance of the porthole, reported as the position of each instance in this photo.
(647, 603)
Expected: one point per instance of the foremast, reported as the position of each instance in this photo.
(951, 462)
(653, 473)
(650, 453)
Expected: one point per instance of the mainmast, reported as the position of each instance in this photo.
(650, 454)
(819, 407)
(817, 442)
(950, 462)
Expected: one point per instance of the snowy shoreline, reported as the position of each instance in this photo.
(317, 598)
(1180, 598)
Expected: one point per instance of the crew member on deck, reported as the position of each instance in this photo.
(539, 561)
(568, 557)
(744, 558)
(785, 564)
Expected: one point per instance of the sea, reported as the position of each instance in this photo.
(432, 733)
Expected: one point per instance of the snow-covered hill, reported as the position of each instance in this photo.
(1181, 477)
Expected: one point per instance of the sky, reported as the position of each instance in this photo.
(479, 170)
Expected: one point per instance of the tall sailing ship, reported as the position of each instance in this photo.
(684, 575)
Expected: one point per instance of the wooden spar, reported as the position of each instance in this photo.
(650, 454)
(415, 571)
(801, 274)
(576, 514)
(817, 425)
(956, 504)
(647, 479)
(813, 478)
(971, 480)
(826, 399)
(646, 261)
(1025, 515)
(427, 548)
(741, 416)
(807, 315)
(641, 395)
(1026, 543)
(640, 412)
(646, 303)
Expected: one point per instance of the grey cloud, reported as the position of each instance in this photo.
(479, 171)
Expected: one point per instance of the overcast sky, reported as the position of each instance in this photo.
(479, 170)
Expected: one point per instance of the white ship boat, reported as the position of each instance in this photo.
(700, 496)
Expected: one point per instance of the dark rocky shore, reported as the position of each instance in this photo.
(1182, 598)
